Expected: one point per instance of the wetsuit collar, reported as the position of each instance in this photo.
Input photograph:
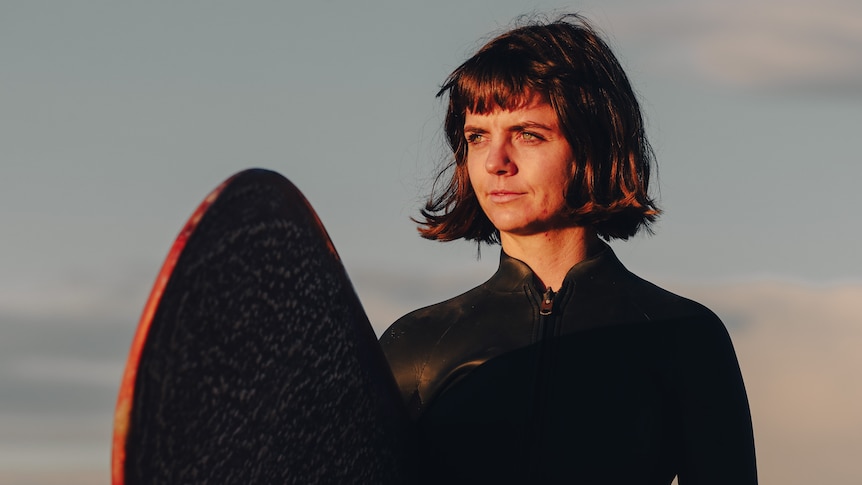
(513, 273)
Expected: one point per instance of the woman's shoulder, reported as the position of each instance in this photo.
(423, 324)
(660, 303)
(692, 324)
(611, 288)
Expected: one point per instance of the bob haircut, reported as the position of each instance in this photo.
(567, 63)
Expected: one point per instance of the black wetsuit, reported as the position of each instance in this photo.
(612, 380)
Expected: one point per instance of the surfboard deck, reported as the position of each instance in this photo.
(253, 361)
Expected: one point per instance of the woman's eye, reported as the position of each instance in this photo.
(474, 137)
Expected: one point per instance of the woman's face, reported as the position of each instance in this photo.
(519, 164)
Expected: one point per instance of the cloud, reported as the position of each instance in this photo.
(75, 371)
(109, 295)
(770, 44)
(799, 353)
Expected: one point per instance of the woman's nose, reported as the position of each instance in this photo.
(499, 160)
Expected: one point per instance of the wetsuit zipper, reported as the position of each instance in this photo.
(545, 358)
(547, 306)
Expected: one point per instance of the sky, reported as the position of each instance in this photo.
(116, 119)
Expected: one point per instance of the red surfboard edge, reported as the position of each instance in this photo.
(127, 384)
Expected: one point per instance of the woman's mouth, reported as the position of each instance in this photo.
(503, 196)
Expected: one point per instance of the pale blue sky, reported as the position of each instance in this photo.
(116, 119)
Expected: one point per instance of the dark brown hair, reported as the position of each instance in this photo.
(569, 64)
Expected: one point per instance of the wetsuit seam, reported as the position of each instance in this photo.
(427, 361)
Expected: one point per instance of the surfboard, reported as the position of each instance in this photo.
(253, 361)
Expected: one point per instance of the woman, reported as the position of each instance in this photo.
(564, 367)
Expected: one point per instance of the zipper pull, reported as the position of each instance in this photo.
(547, 302)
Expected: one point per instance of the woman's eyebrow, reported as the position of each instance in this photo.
(516, 127)
(532, 124)
(474, 129)
(529, 125)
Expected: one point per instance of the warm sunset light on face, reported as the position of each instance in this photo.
(519, 163)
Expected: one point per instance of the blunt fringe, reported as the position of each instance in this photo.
(568, 63)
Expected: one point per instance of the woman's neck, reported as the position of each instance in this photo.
(551, 254)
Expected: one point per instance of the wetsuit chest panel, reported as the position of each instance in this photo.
(608, 413)
(484, 331)
(610, 409)
(477, 429)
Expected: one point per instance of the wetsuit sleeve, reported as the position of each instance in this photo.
(717, 439)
